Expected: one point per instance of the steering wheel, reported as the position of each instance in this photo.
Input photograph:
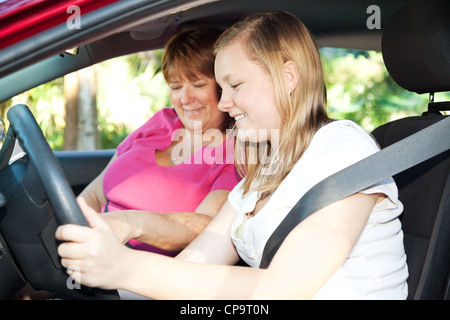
(38, 198)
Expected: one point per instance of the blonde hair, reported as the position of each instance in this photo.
(270, 40)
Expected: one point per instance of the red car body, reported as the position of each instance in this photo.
(21, 19)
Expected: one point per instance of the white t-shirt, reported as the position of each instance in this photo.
(376, 267)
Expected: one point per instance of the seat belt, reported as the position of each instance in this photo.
(386, 163)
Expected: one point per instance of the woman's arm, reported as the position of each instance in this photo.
(307, 259)
(168, 231)
(93, 196)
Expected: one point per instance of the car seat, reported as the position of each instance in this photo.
(416, 51)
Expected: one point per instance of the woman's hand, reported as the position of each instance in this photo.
(93, 256)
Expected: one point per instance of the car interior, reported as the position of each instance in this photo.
(424, 189)
(38, 186)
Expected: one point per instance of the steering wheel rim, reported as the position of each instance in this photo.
(55, 185)
(48, 168)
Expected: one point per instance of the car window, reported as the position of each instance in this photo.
(359, 88)
(124, 92)
(112, 99)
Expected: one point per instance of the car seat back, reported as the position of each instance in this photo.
(416, 51)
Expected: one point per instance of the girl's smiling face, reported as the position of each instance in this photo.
(247, 94)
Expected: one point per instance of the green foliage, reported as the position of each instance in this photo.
(131, 89)
(123, 83)
(112, 135)
(46, 103)
(359, 88)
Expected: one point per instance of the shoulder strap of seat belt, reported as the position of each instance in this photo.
(386, 163)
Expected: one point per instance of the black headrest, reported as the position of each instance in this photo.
(416, 46)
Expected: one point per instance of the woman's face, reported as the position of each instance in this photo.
(195, 102)
(247, 94)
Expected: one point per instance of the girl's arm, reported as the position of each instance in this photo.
(308, 257)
